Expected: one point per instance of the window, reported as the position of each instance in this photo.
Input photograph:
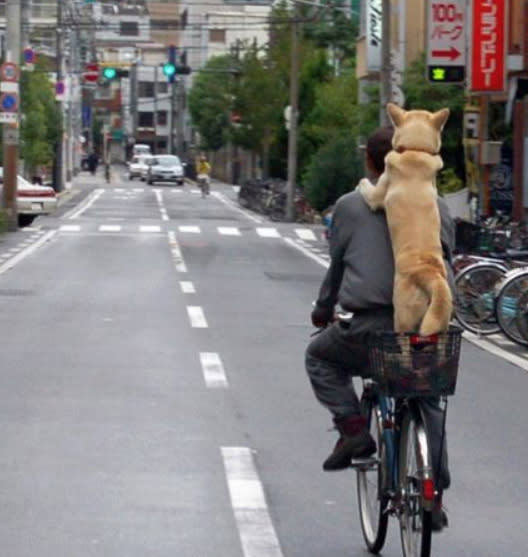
(146, 89)
(129, 28)
(162, 118)
(217, 36)
(163, 87)
(146, 120)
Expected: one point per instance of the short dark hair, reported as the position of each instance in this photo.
(379, 144)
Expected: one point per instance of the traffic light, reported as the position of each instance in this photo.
(109, 73)
(172, 68)
(169, 69)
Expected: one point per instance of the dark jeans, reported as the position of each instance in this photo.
(339, 353)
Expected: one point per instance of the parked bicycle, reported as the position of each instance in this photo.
(399, 480)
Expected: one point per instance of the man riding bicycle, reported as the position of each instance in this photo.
(360, 278)
(203, 169)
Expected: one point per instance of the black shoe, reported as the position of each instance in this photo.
(438, 518)
(361, 445)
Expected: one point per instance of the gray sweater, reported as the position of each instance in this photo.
(361, 272)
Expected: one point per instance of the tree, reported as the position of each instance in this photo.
(210, 101)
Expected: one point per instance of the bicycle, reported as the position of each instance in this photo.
(399, 480)
(204, 184)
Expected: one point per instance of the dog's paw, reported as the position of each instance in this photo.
(366, 189)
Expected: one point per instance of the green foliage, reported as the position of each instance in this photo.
(3, 221)
(335, 170)
(210, 101)
(448, 182)
(41, 122)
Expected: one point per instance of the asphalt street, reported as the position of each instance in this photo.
(153, 399)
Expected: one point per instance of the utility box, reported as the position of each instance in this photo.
(490, 152)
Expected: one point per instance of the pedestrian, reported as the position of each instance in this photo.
(360, 279)
(93, 161)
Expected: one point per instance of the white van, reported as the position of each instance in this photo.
(141, 149)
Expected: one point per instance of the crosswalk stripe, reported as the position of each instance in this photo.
(70, 228)
(305, 234)
(110, 228)
(190, 229)
(228, 231)
(213, 370)
(149, 228)
(268, 233)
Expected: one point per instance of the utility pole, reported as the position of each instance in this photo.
(385, 72)
(173, 84)
(294, 109)
(11, 131)
(59, 178)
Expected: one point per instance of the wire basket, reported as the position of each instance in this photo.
(408, 365)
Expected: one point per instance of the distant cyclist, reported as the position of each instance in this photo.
(203, 170)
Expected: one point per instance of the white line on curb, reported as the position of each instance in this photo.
(10, 263)
(256, 531)
(87, 203)
(496, 350)
(307, 252)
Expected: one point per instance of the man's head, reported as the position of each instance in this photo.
(379, 144)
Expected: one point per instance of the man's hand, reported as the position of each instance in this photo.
(322, 316)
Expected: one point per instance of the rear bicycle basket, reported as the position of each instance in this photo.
(408, 365)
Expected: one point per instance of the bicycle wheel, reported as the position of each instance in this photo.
(508, 305)
(371, 482)
(415, 480)
(475, 297)
(522, 315)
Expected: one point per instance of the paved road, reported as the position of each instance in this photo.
(154, 400)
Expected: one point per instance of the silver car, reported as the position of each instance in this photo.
(138, 166)
(165, 168)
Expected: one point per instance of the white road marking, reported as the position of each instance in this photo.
(110, 228)
(10, 263)
(190, 229)
(305, 234)
(307, 252)
(268, 232)
(177, 256)
(14, 250)
(197, 317)
(213, 370)
(164, 214)
(231, 205)
(86, 204)
(150, 228)
(70, 228)
(229, 231)
(256, 531)
(187, 287)
(161, 206)
(139, 190)
(496, 350)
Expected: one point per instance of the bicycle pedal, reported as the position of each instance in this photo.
(362, 463)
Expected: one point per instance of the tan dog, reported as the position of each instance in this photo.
(407, 191)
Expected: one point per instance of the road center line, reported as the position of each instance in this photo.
(213, 370)
(197, 317)
(256, 531)
(187, 287)
(177, 256)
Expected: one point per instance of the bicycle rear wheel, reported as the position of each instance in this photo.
(415, 480)
(371, 482)
(475, 297)
(509, 308)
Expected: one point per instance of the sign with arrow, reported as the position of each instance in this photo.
(446, 41)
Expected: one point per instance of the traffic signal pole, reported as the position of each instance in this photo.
(385, 73)
(11, 131)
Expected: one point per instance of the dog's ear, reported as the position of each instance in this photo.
(440, 118)
(396, 114)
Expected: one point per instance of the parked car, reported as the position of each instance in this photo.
(137, 167)
(32, 199)
(165, 168)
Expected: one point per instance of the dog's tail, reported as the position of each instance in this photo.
(439, 312)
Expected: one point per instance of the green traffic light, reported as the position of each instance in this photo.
(109, 73)
(169, 69)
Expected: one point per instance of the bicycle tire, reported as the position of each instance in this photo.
(414, 468)
(475, 297)
(522, 315)
(371, 480)
(507, 305)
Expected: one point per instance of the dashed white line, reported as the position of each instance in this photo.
(189, 229)
(228, 231)
(70, 228)
(197, 317)
(149, 228)
(177, 256)
(213, 370)
(256, 531)
(268, 232)
(305, 234)
(187, 287)
(110, 228)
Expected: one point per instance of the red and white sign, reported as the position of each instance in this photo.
(446, 33)
(488, 46)
(9, 71)
(91, 73)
